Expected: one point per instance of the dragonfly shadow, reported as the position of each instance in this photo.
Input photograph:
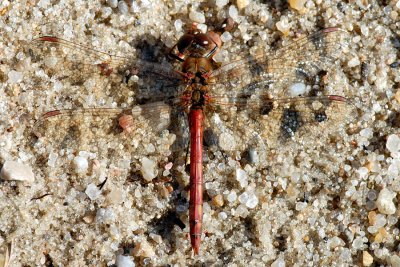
(153, 69)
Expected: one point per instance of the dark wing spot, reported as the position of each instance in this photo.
(290, 122)
(266, 108)
(320, 116)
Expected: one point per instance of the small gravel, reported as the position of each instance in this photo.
(16, 171)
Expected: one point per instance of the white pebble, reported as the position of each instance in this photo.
(252, 201)
(225, 37)
(297, 89)
(92, 191)
(148, 169)
(393, 143)
(233, 13)
(178, 25)
(301, 206)
(232, 196)
(226, 141)
(243, 197)
(385, 201)
(14, 76)
(241, 177)
(253, 156)
(242, 211)
(353, 62)
(51, 162)
(221, 3)
(124, 261)
(222, 215)
(358, 243)
(15, 171)
(280, 262)
(197, 17)
(364, 30)
(105, 216)
(123, 7)
(81, 164)
(112, 3)
(366, 133)
(376, 107)
(363, 172)
(202, 27)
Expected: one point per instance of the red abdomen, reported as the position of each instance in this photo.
(196, 177)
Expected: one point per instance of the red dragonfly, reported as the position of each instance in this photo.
(201, 83)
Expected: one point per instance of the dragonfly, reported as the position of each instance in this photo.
(270, 86)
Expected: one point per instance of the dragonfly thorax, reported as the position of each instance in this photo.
(198, 98)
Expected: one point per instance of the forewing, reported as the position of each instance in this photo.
(297, 62)
(77, 63)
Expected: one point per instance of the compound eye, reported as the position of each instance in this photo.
(202, 40)
(184, 42)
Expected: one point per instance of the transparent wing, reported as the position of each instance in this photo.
(86, 129)
(297, 62)
(77, 62)
(243, 123)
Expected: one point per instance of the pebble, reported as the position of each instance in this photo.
(15, 171)
(124, 261)
(297, 4)
(218, 200)
(225, 37)
(241, 177)
(252, 201)
(242, 4)
(143, 249)
(202, 27)
(178, 25)
(395, 261)
(81, 164)
(280, 262)
(283, 26)
(221, 3)
(385, 202)
(232, 196)
(381, 235)
(197, 17)
(233, 13)
(297, 89)
(92, 191)
(243, 197)
(353, 62)
(367, 259)
(393, 143)
(123, 7)
(15, 76)
(148, 169)
(115, 196)
(253, 156)
(242, 211)
(222, 215)
(112, 3)
(227, 141)
(105, 216)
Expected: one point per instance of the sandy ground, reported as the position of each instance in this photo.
(328, 196)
